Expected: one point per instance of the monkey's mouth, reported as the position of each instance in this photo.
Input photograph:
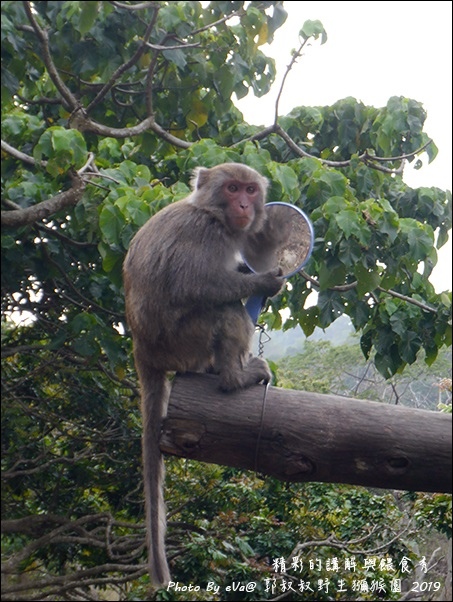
(242, 222)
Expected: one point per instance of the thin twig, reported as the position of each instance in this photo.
(346, 287)
(296, 55)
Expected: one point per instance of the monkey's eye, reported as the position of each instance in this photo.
(251, 189)
(232, 188)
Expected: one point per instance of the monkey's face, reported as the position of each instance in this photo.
(243, 201)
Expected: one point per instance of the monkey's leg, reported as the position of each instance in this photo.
(237, 368)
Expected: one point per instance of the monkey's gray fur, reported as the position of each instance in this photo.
(183, 305)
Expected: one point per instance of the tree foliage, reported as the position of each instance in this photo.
(106, 108)
(342, 370)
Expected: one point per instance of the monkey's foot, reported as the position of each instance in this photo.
(255, 371)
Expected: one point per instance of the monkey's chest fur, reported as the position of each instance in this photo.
(181, 283)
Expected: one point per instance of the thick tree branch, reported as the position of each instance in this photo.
(68, 198)
(17, 154)
(157, 129)
(80, 122)
(340, 288)
(413, 454)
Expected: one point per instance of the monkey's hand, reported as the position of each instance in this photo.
(269, 283)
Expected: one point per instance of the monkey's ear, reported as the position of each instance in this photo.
(200, 177)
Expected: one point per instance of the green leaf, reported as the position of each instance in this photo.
(398, 323)
(366, 342)
(62, 148)
(308, 320)
(86, 347)
(88, 14)
(285, 177)
(110, 223)
(8, 242)
(82, 322)
(385, 364)
(360, 314)
(277, 19)
(71, 142)
(409, 346)
(111, 259)
(368, 279)
(350, 223)
(313, 29)
(331, 307)
(178, 57)
(334, 205)
(331, 274)
(419, 236)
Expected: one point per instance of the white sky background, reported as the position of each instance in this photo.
(374, 50)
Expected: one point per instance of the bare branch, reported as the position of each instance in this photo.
(40, 101)
(161, 48)
(140, 6)
(149, 84)
(224, 19)
(339, 288)
(423, 306)
(12, 474)
(397, 172)
(89, 163)
(296, 55)
(85, 302)
(264, 133)
(10, 351)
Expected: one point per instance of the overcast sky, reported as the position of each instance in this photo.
(374, 50)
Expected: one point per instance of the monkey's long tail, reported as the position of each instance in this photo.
(155, 395)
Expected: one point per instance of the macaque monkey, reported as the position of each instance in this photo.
(183, 305)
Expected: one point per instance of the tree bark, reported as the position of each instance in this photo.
(47, 208)
(302, 436)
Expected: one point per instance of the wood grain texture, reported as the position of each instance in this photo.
(302, 436)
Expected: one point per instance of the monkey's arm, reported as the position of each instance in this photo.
(261, 248)
(186, 257)
(217, 278)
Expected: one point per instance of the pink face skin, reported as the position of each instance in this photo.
(242, 198)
